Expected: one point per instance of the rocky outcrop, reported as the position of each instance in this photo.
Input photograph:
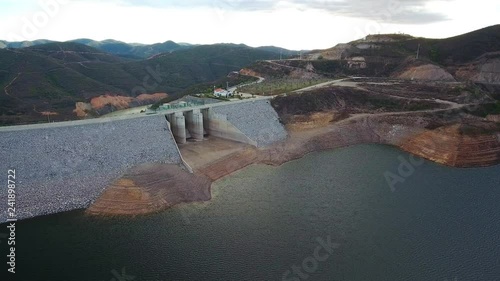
(357, 62)
(427, 72)
(108, 103)
(82, 109)
(485, 70)
(363, 130)
(493, 118)
(489, 72)
(151, 188)
(453, 146)
(249, 72)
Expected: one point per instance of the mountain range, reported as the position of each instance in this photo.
(134, 50)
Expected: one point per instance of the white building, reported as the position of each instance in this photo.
(222, 93)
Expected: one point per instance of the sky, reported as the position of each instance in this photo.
(292, 24)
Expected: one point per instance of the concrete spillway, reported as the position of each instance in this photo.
(178, 126)
(253, 122)
(194, 122)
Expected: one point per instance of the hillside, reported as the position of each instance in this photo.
(474, 56)
(45, 82)
(460, 49)
(134, 50)
(450, 51)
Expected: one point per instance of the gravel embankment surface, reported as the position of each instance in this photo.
(257, 120)
(65, 168)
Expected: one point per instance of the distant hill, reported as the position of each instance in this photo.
(450, 51)
(71, 52)
(474, 56)
(282, 51)
(137, 51)
(53, 77)
(23, 44)
(460, 49)
(134, 50)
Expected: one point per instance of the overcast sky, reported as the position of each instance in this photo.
(293, 24)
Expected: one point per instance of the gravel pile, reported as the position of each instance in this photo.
(258, 120)
(66, 168)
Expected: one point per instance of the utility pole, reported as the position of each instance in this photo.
(418, 51)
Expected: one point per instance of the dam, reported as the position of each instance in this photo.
(195, 124)
(67, 165)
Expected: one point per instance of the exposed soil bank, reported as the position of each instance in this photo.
(152, 188)
(452, 145)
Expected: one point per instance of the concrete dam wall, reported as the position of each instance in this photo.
(66, 166)
(257, 120)
(61, 167)
(253, 122)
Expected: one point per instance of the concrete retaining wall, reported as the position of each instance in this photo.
(256, 120)
(217, 125)
(62, 167)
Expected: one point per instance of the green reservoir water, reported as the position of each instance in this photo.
(440, 224)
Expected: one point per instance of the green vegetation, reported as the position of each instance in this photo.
(280, 86)
(211, 96)
(484, 110)
(344, 99)
(434, 54)
(459, 49)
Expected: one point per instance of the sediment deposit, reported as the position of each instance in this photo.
(150, 188)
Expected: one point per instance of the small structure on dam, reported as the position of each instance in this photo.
(195, 124)
(188, 124)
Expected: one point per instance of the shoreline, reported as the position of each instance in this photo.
(442, 146)
(348, 133)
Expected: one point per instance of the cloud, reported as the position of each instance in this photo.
(386, 11)
(240, 5)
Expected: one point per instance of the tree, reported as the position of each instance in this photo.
(434, 54)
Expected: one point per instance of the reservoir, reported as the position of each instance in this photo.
(328, 216)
